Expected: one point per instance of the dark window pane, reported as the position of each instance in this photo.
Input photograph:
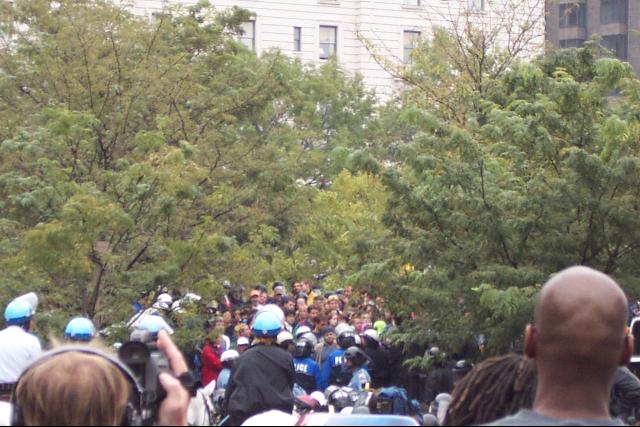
(297, 39)
(573, 15)
(617, 45)
(613, 11)
(571, 43)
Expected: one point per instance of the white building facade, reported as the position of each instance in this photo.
(314, 30)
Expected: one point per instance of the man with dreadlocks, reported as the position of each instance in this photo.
(578, 341)
(496, 388)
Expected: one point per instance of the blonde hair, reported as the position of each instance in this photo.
(73, 389)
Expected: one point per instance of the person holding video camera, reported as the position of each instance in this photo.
(81, 385)
(263, 378)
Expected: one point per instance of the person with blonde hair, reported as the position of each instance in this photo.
(82, 385)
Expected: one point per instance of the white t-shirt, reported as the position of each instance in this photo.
(18, 349)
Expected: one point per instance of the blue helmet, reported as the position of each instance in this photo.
(155, 324)
(266, 324)
(80, 329)
(18, 312)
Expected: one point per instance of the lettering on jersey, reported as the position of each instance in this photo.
(301, 368)
(338, 361)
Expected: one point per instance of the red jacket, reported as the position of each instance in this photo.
(211, 365)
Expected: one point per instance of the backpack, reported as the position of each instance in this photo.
(394, 401)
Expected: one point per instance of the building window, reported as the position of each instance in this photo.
(569, 43)
(477, 5)
(297, 39)
(248, 34)
(617, 45)
(573, 15)
(328, 41)
(410, 42)
(613, 11)
(413, 2)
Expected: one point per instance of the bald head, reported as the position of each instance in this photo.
(581, 316)
(578, 341)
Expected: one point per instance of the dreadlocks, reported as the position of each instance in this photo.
(494, 389)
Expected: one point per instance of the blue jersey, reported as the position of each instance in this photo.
(360, 379)
(332, 369)
(307, 374)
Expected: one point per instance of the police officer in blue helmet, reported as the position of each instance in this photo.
(263, 378)
(18, 347)
(80, 330)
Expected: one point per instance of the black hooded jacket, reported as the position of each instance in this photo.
(262, 380)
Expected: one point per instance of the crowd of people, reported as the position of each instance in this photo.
(301, 350)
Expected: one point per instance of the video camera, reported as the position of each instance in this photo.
(146, 362)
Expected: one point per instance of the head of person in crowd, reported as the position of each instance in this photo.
(237, 294)
(303, 314)
(314, 313)
(227, 319)
(334, 302)
(321, 322)
(80, 330)
(266, 327)
(264, 297)
(494, 389)
(255, 298)
(297, 288)
(286, 342)
(289, 304)
(301, 301)
(290, 317)
(306, 287)
(85, 386)
(329, 336)
(348, 292)
(243, 331)
(243, 344)
(279, 292)
(19, 313)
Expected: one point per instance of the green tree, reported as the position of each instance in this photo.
(543, 177)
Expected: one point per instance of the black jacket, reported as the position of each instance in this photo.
(380, 367)
(262, 380)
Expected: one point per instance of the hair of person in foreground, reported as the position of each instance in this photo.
(73, 389)
(495, 388)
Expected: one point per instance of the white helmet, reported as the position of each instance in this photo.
(309, 337)
(373, 334)
(283, 337)
(31, 298)
(163, 302)
(176, 307)
(343, 328)
(229, 355)
(191, 298)
(272, 308)
(302, 330)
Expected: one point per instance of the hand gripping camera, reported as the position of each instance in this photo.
(146, 362)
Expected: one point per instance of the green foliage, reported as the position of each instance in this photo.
(138, 154)
(541, 177)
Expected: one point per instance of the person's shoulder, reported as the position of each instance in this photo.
(524, 418)
(531, 418)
